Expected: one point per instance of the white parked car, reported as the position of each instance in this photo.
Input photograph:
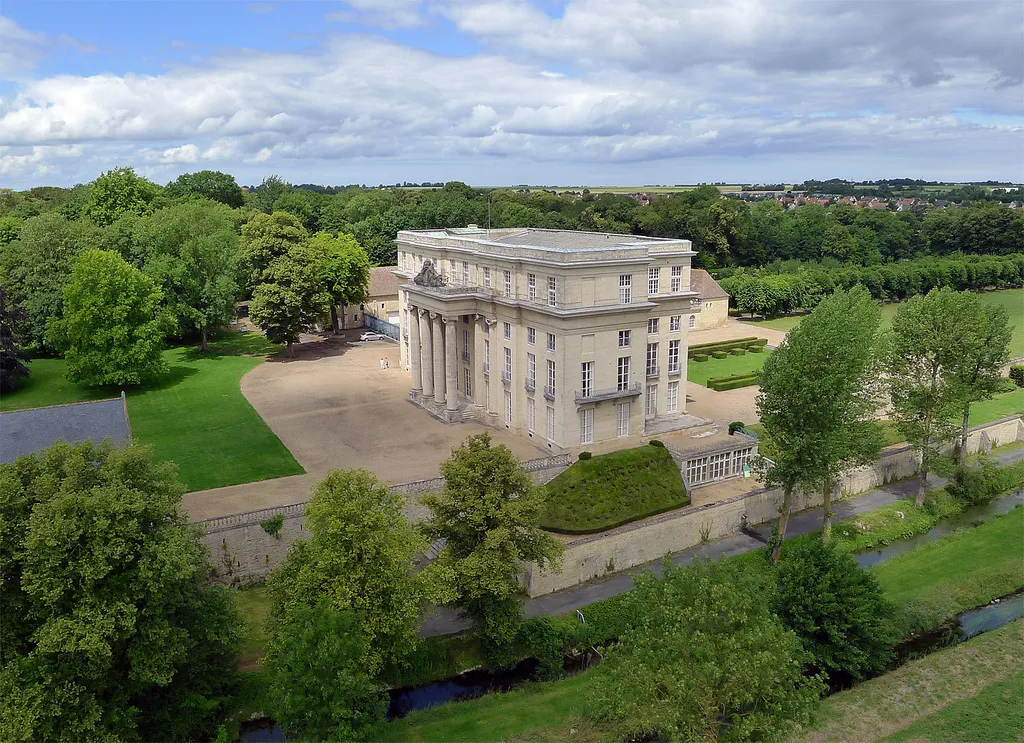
(371, 337)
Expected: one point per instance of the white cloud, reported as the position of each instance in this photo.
(387, 14)
(21, 50)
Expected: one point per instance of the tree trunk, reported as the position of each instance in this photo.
(203, 346)
(963, 435)
(787, 506)
(289, 350)
(334, 319)
(826, 516)
(922, 481)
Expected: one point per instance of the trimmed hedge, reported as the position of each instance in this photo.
(699, 357)
(709, 348)
(585, 455)
(756, 349)
(738, 352)
(722, 384)
(720, 354)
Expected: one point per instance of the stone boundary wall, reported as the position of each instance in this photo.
(242, 552)
(645, 541)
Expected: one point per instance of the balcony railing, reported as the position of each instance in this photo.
(506, 377)
(675, 368)
(530, 384)
(631, 390)
(549, 392)
(653, 370)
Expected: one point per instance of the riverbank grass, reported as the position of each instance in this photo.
(612, 489)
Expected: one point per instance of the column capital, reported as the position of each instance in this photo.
(491, 320)
(450, 320)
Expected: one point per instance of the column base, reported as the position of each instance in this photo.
(436, 409)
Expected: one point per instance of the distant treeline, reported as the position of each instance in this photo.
(791, 285)
(725, 232)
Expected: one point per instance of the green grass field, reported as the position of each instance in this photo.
(195, 416)
(969, 693)
(1002, 405)
(699, 372)
(1010, 299)
(612, 489)
(254, 604)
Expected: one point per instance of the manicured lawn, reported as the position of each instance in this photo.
(971, 692)
(699, 372)
(195, 416)
(1002, 405)
(613, 489)
(1011, 299)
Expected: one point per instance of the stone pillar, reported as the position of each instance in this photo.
(426, 355)
(479, 380)
(414, 348)
(438, 355)
(451, 362)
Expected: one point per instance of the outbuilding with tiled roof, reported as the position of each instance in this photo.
(714, 311)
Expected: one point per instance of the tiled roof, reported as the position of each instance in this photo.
(28, 431)
(702, 283)
(383, 282)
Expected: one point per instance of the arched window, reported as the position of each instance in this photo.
(693, 321)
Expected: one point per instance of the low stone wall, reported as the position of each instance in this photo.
(242, 552)
(646, 541)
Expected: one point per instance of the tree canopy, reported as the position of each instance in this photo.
(118, 193)
(292, 296)
(207, 184)
(13, 366)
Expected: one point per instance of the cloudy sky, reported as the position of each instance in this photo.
(594, 92)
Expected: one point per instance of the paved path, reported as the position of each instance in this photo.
(446, 621)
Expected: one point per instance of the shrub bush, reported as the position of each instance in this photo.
(700, 357)
(984, 481)
(1017, 375)
(722, 384)
(545, 639)
(656, 442)
(738, 351)
(273, 525)
(585, 455)
(756, 349)
(735, 426)
(720, 354)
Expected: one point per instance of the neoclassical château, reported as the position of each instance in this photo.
(571, 338)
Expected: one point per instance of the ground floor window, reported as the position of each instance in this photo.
(551, 424)
(697, 471)
(740, 458)
(623, 429)
(672, 398)
(487, 397)
(508, 407)
(651, 409)
(531, 414)
(586, 425)
(467, 375)
(719, 466)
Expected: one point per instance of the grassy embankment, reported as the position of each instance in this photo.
(195, 416)
(613, 489)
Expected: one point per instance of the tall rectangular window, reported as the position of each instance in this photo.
(673, 324)
(549, 388)
(587, 378)
(740, 458)
(465, 345)
(468, 376)
(552, 291)
(508, 283)
(506, 328)
(624, 339)
(677, 278)
(487, 356)
(673, 357)
(652, 326)
(508, 407)
(531, 336)
(487, 277)
(508, 363)
(531, 414)
(587, 426)
(623, 428)
(693, 322)
(531, 287)
(487, 397)
(465, 273)
(653, 280)
(451, 269)
(623, 373)
(531, 370)
(551, 423)
(652, 359)
(551, 341)
(697, 471)
(672, 397)
(651, 401)
(625, 289)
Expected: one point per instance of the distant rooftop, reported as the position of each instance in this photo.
(383, 282)
(562, 241)
(29, 431)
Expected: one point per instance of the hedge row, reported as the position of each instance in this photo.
(721, 384)
(709, 348)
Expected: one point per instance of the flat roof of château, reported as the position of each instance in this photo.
(559, 241)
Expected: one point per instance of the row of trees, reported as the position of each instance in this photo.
(792, 285)
(821, 390)
(724, 231)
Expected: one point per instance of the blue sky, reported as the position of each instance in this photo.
(496, 92)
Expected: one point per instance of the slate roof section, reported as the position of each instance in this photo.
(383, 282)
(705, 286)
(29, 431)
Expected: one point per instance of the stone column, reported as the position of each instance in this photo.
(451, 363)
(438, 355)
(426, 355)
(479, 380)
(414, 348)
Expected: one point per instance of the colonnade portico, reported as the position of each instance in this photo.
(434, 363)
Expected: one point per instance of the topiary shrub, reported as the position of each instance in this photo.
(756, 349)
(656, 442)
(700, 357)
(584, 455)
(720, 354)
(1017, 375)
(738, 351)
(735, 426)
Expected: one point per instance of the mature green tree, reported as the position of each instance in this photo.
(108, 630)
(292, 297)
(924, 356)
(207, 184)
(359, 558)
(192, 253)
(835, 607)
(345, 268)
(12, 359)
(818, 397)
(981, 356)
(112, 330)
(489, 516)
(319, 685)
(264, 196)
(119, 192)
(266, 237)
(35, 268)
(705, 659)
(10, 228)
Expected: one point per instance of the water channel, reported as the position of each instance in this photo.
(477, 683)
